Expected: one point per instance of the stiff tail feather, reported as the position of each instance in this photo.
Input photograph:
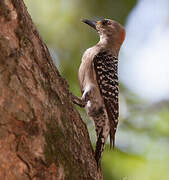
(100, 144)
(99, 147)
(102, 130)
(112, 137)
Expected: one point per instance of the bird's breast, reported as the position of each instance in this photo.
(86, 72)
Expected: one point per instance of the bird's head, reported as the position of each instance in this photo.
(111, 32)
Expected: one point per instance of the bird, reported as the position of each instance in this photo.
(98, 79)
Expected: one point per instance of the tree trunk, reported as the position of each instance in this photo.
(41, 133)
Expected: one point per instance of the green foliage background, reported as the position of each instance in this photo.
(142, 151)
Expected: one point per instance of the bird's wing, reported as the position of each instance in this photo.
(106, 69)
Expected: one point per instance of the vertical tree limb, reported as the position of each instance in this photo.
(41, 134)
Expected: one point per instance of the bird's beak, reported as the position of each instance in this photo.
(91, 23)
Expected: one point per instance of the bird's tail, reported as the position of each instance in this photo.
(99, 148)
(112, 136)
(102, 130)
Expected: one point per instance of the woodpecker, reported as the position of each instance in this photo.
(98, 78)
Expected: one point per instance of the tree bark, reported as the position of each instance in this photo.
(41, 133)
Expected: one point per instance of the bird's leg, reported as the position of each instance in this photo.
(81, 101)
(86, 96)
(76, 100)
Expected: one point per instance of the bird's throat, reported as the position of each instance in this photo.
(109, 44)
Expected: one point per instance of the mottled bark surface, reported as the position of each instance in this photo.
(41, 134)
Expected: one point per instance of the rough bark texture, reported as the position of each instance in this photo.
(41, 134)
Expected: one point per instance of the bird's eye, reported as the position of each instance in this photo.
(105, 22)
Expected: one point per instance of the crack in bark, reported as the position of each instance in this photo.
(27, 165)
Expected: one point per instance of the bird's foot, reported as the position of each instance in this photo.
(76, 100)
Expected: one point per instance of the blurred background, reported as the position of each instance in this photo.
(142, 139)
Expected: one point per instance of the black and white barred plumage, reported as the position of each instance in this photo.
(106, 69)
